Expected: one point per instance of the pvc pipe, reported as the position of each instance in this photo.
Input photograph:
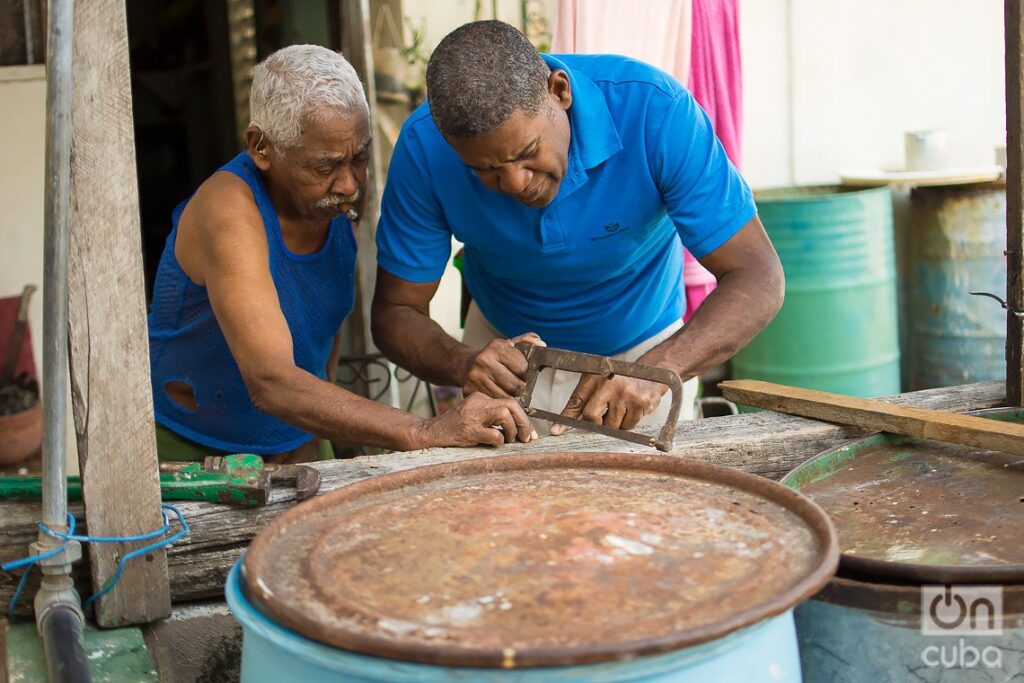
(62, 642)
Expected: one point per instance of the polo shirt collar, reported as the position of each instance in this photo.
(593, 130)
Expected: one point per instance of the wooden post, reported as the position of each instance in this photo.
(242, 51)
(110, 383)
(355, 45)
(1013, 18)
(358, 50)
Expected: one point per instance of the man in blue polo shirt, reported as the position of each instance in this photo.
(573, 181)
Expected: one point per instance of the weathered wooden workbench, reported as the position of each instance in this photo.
(768, 444)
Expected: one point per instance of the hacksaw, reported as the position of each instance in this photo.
(540, 357)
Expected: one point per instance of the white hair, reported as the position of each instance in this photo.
(296, 83)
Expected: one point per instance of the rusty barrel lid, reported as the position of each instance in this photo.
(921, 511)
(540, 560)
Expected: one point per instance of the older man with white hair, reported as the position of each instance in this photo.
(257, 276)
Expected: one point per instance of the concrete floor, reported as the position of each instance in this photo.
(114, 655)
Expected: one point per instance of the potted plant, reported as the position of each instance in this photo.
(21, 420)
(21, 412)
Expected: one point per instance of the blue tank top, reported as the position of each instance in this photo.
(316, 293)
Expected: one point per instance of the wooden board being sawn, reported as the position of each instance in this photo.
(879, 416)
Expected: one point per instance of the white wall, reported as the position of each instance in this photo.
(832, 84)
(23, 116)
(22, 110)
(438, 19)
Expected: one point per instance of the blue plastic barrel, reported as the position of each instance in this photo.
(766, 651)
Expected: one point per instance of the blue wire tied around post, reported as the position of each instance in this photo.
(70, 536)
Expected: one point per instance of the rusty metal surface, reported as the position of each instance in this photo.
(537, 560)
(957, 244)
(541, 357)
(904, 600)
(916, 510)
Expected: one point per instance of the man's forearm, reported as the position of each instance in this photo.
(414, 341)
(325, 409)
(741, 306)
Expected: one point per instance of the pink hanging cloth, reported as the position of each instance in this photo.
(697, 41)
(716, 81)
(716, 74)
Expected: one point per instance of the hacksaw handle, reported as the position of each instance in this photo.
(540, 357)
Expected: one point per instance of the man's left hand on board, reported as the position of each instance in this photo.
(619, 402)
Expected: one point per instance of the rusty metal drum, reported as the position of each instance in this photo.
(956, 241)
(558, 566)
(931, 577)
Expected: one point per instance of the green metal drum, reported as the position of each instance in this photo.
(931, 578)
(837, 330)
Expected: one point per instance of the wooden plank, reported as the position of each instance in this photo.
(112, 399)
(1013, 17)
(768, 444)
(878, 416)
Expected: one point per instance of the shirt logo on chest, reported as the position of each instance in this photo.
(610, 230)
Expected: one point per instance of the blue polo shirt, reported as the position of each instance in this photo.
(600, 268)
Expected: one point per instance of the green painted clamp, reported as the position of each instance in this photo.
(242, 480)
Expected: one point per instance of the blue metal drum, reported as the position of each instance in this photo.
(865, 632)
(956, 242)
(548, 567)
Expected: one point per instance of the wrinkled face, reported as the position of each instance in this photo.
(527, 156)
(324, 175)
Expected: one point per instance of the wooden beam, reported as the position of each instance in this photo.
(878, 416)
(109, 347)
(768, 444)
(356, 46)
(1013, 18)
(241, 17)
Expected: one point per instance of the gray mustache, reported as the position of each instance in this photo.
(336, 200)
